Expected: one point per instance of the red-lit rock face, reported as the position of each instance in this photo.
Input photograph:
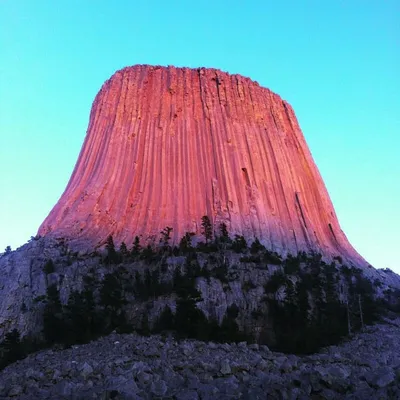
(167, 145)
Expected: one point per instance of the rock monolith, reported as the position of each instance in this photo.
(166, 146)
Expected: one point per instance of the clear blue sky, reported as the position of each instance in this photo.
(336, 61)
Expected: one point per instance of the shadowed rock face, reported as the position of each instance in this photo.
(167, 145)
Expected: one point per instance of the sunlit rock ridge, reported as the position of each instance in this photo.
(167, 145)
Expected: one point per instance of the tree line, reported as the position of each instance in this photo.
(322, 302)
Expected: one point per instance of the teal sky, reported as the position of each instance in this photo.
(336, 62)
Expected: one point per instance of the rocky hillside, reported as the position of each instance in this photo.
(136, 367)
(248, 277)
(221, 290)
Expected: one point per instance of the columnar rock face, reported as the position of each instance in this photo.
(167, 145)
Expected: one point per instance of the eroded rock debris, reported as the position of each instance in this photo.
(155, 367)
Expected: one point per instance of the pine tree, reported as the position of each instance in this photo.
(207, 230)
(291, 265)
(148, 254)
(229, 330)
(224, 233)
(256, 247)
(149, 284)
(123, 250)
(136, 249)
(303, 304)
(166, 320)
(361, 311)
(364, 301)
(75, 319)
(11, 348)
(112, 299)
(165, 238)
(239, 244)
(139, 287)
(53, 326)
(185, 245)
(189, 320)
(80, 319)
(111, 253)
(349, 327)
(277, 280)
(177, 279)
(272, 258)
(145, 328)
(48, 267)
(192, 266)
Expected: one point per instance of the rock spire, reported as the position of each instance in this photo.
(167, 145)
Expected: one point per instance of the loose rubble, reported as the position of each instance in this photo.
(136, 367)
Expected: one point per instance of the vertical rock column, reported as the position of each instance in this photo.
(167, 145)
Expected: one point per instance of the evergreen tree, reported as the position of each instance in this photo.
(123, 250)
(192, 266)
(229, 330)
(224, 235)
(256, 247)
(139, 287)
(82, 324)
(177, 278)
(272, 258)
(291, 295)
(189, 320)
(302, 256)
(232, 311)
(11, 348)
(145, 328)
(48, 267)
(185, 286)
(53, 326)
(367, 307)
(136, 249)
(277, 280)
(152, 283)
(291, 265)
(220, 272)
(75, 320)
(148, 254)
(112, 256)
(207, 230)
(165, 238)
(185, 245)
(113, 300)
(303, 305)
(166, 320)
(239, 244)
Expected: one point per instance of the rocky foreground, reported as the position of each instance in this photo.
(136, 367)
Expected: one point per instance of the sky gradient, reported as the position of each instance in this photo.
(335, 61)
